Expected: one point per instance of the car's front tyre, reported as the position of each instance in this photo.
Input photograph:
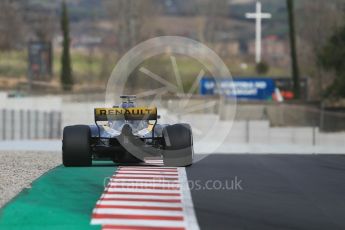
(76, 148)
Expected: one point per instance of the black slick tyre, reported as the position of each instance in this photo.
(178, 149)
(76, 149)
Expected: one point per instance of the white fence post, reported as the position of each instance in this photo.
(4, 120)
(247, 131)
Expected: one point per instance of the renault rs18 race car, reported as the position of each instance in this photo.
(127, 134)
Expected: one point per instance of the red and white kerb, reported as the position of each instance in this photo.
(146, 197)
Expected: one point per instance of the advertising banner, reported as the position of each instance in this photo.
(241, 88)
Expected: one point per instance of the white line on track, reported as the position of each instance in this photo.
(154, 161)
(139, 196)
(147, 168)
(143, 180)
(136, 212)
(143, 184)
(146, 173)
(141, 223)
(138, 175)
(155, 168)
(188, 208)
(139, 190)
(138, 203)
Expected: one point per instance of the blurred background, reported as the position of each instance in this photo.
(56, 58)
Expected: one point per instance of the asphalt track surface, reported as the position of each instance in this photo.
(277, 192)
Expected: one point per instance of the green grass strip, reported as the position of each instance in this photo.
(63, 198)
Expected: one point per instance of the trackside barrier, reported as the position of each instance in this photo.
(29, 124)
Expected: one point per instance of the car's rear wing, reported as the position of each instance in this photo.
(136, 113)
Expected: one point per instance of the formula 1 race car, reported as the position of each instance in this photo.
(128, 134)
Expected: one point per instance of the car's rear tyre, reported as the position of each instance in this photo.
(178, 150)
(76, 148)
